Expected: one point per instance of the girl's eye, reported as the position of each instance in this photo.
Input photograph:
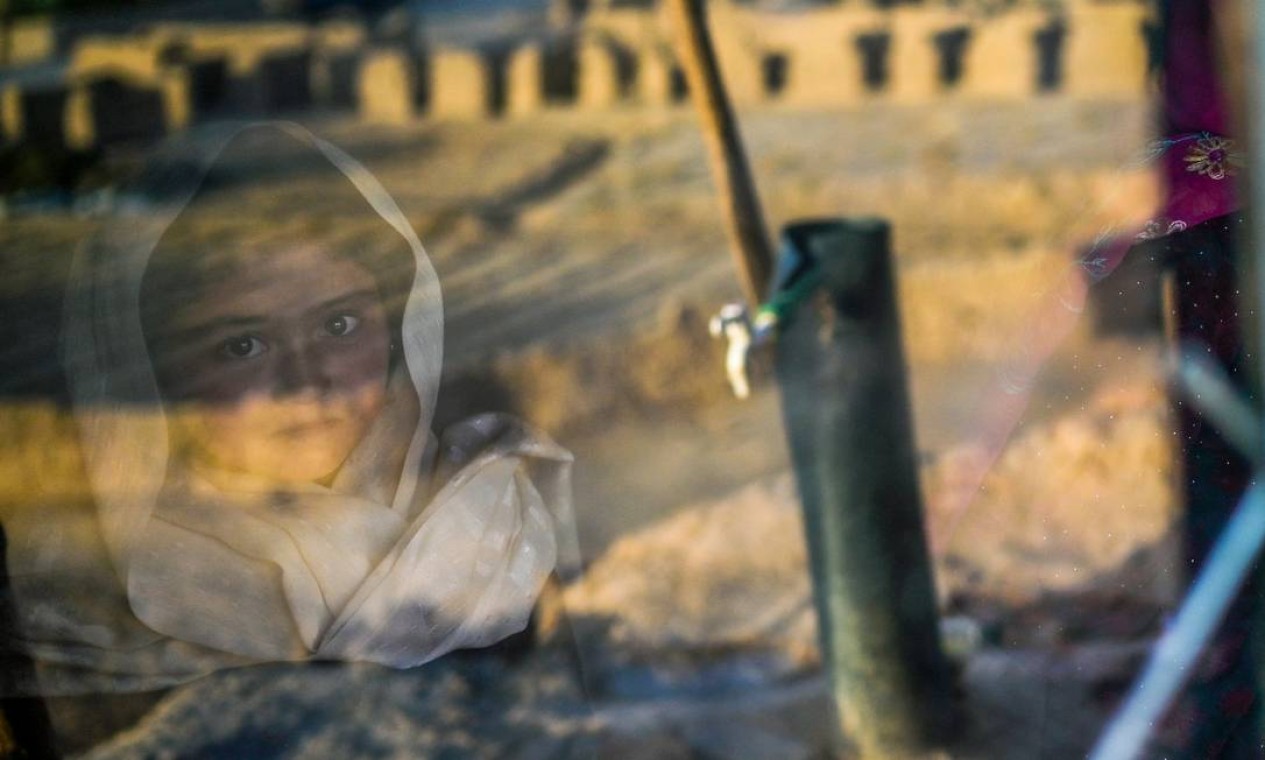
(342, 324)
(243, 347)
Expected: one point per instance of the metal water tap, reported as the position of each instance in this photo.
(796, 278)
(734, 323)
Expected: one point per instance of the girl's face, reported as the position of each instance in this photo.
(277, 369)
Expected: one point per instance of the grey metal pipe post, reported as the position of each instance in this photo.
(845, 401)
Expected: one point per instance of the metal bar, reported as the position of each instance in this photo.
(845, 402)
(1180, 646)
(1210, 390)
(744, 220)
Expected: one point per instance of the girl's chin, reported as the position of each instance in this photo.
(278, 466)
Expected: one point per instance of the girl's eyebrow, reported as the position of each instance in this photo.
(245, 322)
(214, 325)
(355, 295)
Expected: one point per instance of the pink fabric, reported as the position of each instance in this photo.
(1199, 162)
(1198, 172)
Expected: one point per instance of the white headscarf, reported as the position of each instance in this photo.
(173, 576)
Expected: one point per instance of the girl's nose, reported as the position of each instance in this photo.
(300, 368)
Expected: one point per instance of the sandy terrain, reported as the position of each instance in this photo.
(580, 258)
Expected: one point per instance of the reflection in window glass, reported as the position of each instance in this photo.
(377, 382)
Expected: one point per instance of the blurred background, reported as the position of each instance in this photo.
(546, 154)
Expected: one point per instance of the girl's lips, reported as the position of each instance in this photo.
(307, 428)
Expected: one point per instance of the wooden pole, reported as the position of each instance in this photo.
(846, 407)
(744, 221)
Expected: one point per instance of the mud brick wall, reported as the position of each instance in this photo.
(460, 85)
(32, 40)
(140, 86)
(847, 55)
(525, 81)
(852, 54)
(387, 87)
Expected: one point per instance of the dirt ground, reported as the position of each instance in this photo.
(580, 258)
